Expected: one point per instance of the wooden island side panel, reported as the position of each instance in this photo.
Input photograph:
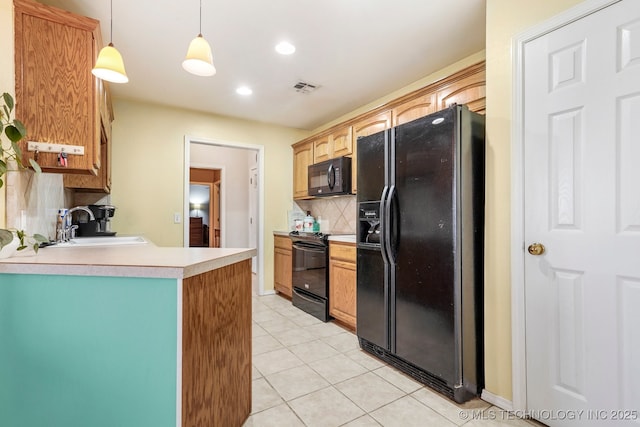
(216, 347)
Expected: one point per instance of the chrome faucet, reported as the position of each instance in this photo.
(65, 230)
(82, 208)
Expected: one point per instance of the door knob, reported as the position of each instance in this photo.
(536, 249)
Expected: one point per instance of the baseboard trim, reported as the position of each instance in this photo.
(496, 400)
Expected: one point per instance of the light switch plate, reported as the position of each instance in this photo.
(176, 218)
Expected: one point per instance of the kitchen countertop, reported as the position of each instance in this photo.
(146, 260)
(343, 238)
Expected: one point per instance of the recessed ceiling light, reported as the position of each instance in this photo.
(244, 90)
(285, 48)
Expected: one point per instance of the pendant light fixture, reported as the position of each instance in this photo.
(109, 65)
(199, 60)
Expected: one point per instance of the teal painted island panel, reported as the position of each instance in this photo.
(87, 351)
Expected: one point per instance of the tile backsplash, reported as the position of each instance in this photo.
(338, 214)
(33, 201)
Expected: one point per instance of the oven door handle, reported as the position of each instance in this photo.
(309, 248)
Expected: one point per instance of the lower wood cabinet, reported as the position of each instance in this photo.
(342, 282)
(282, 264)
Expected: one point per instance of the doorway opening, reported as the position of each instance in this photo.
(232, 174)
(204, 207)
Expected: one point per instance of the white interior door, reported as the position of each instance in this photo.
(582, 202)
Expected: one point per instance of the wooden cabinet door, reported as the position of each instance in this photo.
(342, 283)
(322, 149)
(365, 127)
(302, 158)
(282, 264)
(56, 95)
(342, 142)
(469, 90)
(414, 108)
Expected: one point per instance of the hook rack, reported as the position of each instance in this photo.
(46, 147)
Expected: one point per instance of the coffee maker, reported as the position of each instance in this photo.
(101, 226)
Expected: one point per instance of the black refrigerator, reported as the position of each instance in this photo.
(419, 249)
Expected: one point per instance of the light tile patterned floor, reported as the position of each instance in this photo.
(310, 373)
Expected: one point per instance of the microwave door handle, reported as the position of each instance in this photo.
(331, 177)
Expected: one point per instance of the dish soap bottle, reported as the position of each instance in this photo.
(316, 225)
(308, 222)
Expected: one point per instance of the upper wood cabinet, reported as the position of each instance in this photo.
(466, 86)
(322, 149)
(366, 127)
(415, 108)
(302, 158)
(337, 144)
(57, 97)
(341, 142)
(102, 181)
(469, 90)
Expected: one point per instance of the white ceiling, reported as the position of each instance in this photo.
(355, 50)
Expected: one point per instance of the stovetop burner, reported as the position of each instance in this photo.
(309, 235)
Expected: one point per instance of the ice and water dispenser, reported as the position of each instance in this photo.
(369, 223)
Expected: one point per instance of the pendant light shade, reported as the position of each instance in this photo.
(199, 60)
(109, 66)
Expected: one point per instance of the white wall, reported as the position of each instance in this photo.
(234, 189)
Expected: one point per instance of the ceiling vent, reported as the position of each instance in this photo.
(304, 87)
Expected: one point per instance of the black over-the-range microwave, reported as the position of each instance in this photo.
(330, 178)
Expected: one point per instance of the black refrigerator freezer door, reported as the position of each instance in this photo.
(372, 308)
(425, 157)
(371, 166)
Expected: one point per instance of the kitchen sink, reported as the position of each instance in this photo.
(101, 241)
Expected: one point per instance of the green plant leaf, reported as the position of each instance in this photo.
(36, 246)
(21, 127)
(8, 99)
(17, 150)
(5, 237)
(40, 238)
(3, 167)
(13, 133)
(6, 115)
(1, 183)
(35, 166)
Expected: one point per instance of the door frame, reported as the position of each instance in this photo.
(188, 140)
(518, 331)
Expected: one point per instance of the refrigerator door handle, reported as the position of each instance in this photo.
(388, 223)
(383, 224)
(331, 176)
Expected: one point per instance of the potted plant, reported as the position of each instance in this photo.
(12, 241)
(14, 130)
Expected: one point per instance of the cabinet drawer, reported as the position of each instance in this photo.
(343, 251)
(282, 242)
